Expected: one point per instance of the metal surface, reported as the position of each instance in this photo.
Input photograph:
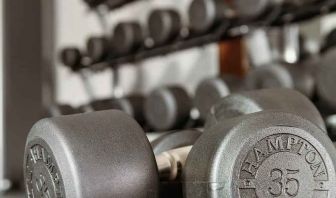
(210, 91)
(168, 108)
(284, 100)
(253, 155)
(175, 140)
(164, 25)
(70, 161)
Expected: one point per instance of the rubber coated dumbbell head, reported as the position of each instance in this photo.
(247, 10)
(132, 105)
(127, 37)
(168, 108)
(326, 80)
(97, 48)
(210, 91)
(164, 25)
(63, 109)
(285, 100)
(63, 153)
(71, 57)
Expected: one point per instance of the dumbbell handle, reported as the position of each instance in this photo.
(171, 163)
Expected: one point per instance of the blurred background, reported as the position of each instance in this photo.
(71, 56)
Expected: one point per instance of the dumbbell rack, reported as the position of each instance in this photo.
(221, 33)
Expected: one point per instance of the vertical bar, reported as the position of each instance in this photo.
(22, 89)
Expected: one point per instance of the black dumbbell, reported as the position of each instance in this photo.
(72, 57)
(132, 105)
(266, 153)
(329, 41)
(112, 4)
(168, 108)
(282, 76)
(94, 3)
(164, 25)
(97, 48)
(204, 15)
(127, 37)
(211, 90)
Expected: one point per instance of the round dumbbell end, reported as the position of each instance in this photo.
(90, 155)
(202, 15)
(71, 57)
(97, 48)
(208, 93)
(251, 155)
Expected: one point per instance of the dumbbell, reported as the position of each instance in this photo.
(282, 76)
(268, 153)
(164, 25)
(326, 81)
(204, 15)
(94, 3)
(97, 48)
(127, 37)
(132, 105)
(169, 141)
(168, 108)
(211, 90)
(329, 41)
(331, 126)
(63, 109)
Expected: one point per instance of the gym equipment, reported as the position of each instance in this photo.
(326, 80)
(281, 76)
(168, 108)
(169, 141)
(63, 109)
(133, 105)
(285, 100)
(97, 48)
(164, 26)
(211, 90)
(262, 154)
(94, 3)
(204, 15)
(127, 38)
(331, 126)
(176, 139)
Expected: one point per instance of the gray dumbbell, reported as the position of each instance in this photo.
(168, 108)
(132, 105)
(282, 76)
(169, 141)
(164, 26)
(210, 91)
(271, 153)
(326, 80)
(205, 14)
(127, 38)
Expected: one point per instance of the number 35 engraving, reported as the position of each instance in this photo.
(283, 183)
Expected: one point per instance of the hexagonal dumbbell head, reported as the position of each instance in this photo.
(168, 108)
(71, 57)
(164, 25)
(210, 91)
